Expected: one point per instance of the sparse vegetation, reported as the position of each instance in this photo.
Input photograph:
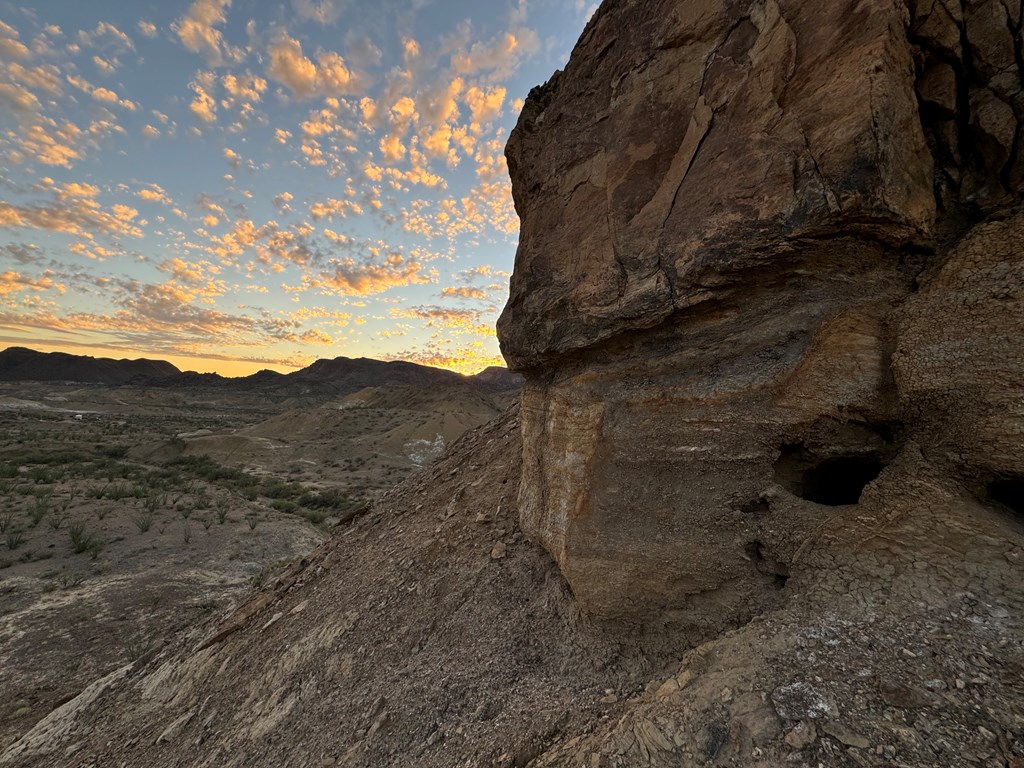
(83, 541)
(39, 509)
(143, 521)
(15, 539)
(69, 580)
(139, 644)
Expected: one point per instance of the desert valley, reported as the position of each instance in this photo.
(138, 500)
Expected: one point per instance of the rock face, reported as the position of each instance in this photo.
(767, 247)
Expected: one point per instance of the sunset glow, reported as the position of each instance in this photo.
(234, 184)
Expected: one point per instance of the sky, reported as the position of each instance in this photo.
(234, 185)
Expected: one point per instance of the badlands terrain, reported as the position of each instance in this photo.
(761, 502)
(129, 512)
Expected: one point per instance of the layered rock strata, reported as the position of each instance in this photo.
(766, 246)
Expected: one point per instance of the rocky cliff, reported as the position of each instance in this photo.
(767, 303)
(767, 247)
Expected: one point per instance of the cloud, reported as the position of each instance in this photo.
(197, 30)
(49, 144)
(202, 106)
(463, 292)
(147, 29)
(484, 105)
(19, 101)
(44, 77)
(154, 193)
(14, 282)
(321, 11)
(465, 320)
(445, 353)
(10, 46)
(22, 253)
(73, 214)
(106, 35)
(245, 87)
(367, 276)
(500, 56)
(488, 208)
(361, 50)
(330, 76)
(331, 209)
(102, 95)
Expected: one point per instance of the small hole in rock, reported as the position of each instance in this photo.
(834, 481)
(1008, 491)
(756, 507)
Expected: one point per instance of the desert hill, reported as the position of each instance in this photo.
(322, 378)
(760, 504)
(21, 364)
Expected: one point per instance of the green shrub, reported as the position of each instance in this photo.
(82, 540)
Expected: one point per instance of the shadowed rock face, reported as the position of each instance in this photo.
(765, 246)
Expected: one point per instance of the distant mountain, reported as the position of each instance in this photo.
(344, 375)
(498, 379)
(328, 377)
(21, 364)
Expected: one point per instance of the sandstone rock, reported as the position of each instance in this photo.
(846, 735)
(801, 735)
(753, 265)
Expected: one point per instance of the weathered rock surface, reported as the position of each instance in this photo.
(768, 304)
(764, 245)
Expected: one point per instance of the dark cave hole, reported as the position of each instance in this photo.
(1008, 491)
(834, 482)
(758, 507)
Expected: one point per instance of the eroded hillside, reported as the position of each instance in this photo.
(761, 503)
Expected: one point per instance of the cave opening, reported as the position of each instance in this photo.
(1008, 491)
(833, 481)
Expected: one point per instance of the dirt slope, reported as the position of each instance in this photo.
(430, 633)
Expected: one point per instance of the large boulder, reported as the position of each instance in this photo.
(734, 214)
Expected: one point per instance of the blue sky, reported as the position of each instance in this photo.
(238, 184)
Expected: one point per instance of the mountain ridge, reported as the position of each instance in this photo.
(339, 375)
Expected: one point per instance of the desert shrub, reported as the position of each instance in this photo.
(82, 540)
(138, 645)
(15, 539)
(284, 505)
(143, 521)
(42, 475)
(252, 520)
(57, 520)
(68, 580)
(38, 510)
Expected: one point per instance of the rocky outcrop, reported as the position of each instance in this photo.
(765, 246)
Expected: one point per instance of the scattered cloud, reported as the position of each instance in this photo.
(323, 12)
(198, 31)
(329, 76)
